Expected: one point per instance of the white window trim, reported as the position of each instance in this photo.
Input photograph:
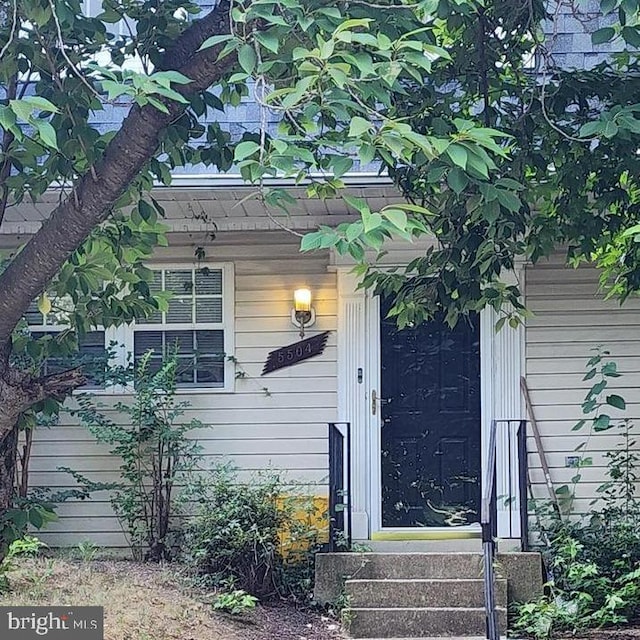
(126, 332)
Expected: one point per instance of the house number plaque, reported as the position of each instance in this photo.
(296, 352)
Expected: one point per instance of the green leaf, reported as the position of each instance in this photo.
(311, 241)
(597, 388)
(247, 58)
(457, 180)
(358, 204)
(47, 133)
(631, 35)
(370, 221)
(37, 102)
(340, 165)
(269, 40)
(358, 126)
(458, 155)
(22, 109)
(603, 35)
(215, 40)
(396, 217)
(591, 129)
(245, 149)
(602, 422)
(616, 401)
(578, 425)
(610, 369)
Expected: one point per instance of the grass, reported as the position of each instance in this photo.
(141, 602)
(151, 602)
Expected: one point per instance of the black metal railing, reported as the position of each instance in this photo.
(340, 536)
(512, 501)
(489, 507)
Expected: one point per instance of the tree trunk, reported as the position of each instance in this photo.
(94, 194)
(90, 203)
(8, 455)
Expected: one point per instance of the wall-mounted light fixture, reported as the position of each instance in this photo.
(303, 314)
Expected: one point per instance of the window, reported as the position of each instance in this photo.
(91, 347)
(196, 325)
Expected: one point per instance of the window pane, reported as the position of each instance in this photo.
(33, 316)
(200, 354)
(180, 310)
(210, 343)
(180, 282)
(91, 355)
(210, 360)
(210, 371)
(208, 282)
(144, 341)
(154, 318)
(156, 284)
(182, 341)
(184, 373)
(208, 309)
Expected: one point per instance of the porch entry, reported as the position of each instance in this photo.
(430, 423)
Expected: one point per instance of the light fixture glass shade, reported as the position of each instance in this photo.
(302, 300)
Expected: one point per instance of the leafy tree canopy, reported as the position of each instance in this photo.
(569, 181)
(500, 159)
(329, 78)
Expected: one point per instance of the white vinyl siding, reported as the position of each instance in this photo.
(278, 420)
(571, 319)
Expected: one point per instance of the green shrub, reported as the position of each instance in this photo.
(151, 440)
(251, 536)
(593, 560)
(28, 545)
(235, 602)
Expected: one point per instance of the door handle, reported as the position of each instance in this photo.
(375, 400)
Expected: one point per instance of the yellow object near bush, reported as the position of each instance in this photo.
(309, 518)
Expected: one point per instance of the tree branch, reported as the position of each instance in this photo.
(91, 200)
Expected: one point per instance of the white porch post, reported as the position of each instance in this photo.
(508, 366)
(352, 385)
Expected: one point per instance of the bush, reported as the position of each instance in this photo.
(28, 545)
(235, 602)
(157, 456)
(593, 561)
(252, 537)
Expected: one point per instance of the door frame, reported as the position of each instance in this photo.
(375, 424)
(501, 365)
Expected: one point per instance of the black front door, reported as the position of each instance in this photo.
(430, 399)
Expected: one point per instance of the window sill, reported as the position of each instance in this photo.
(182, 391)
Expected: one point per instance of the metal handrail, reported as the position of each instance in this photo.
(487, 522)
(340, 483)
(489, 511)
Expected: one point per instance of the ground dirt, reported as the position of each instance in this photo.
(150, 602)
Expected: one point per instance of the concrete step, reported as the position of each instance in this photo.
(408, 566)
(421, 593)
(469, 545)
(419, 622)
